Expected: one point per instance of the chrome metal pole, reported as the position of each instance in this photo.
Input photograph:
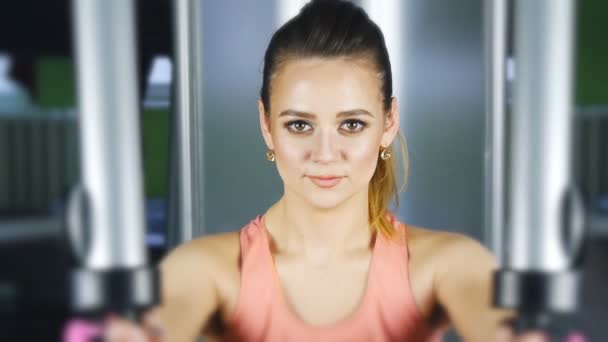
(188, 146)
(545, 229)
(109, 132)
(541, 144)
(107, 216)
(495, 46)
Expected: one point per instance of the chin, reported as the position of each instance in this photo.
(325, 201)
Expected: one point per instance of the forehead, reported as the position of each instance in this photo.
(319, 85)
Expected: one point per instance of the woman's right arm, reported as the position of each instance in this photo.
(189, 297)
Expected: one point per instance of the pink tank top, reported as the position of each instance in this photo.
(387, 311)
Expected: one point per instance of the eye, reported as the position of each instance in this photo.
(298, 126)
(353, 126)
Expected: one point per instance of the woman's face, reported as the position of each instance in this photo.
(326, 127)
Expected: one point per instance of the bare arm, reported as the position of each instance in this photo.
(463, 283)
(189, 297)
(189, 293)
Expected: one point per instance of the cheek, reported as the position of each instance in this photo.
(288, 161)
(363, 159)
(290, 150)
(290, 156)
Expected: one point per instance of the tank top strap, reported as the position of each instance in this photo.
(391, 277)
(257, 290)
(392, 251)
(256, 259)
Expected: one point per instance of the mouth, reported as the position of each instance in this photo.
(325, 182)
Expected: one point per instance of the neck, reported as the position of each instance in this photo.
(319, 233)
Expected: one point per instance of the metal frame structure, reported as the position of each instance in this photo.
(186, 204)
(109, 132)
(495, 37)
(544, 213)
(107, 215)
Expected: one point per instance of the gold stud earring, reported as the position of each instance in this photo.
(270, 155)
(385, 153)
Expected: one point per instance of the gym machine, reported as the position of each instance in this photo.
(535, 212)
(105, 213)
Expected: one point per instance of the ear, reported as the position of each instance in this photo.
(265, 125)
(391, 124)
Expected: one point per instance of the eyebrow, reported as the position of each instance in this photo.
(346, 113)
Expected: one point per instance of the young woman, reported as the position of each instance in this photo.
(328, 261)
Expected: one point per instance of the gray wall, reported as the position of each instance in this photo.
(239, 182)
(443, 115)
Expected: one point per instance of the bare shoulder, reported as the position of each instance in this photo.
(190, 278)
(448, 249)
(462, 284)
(206, 254)
(194, 270)
(458, 271)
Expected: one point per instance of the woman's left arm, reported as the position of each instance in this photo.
(464, 288)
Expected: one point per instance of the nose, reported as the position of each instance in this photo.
(325, 149)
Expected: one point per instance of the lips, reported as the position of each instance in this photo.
(325, 182)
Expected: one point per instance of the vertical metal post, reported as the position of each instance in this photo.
(109, 132)
(541, 143)
(188, 176)
(107, 216)
(539, 275)
(495, 46)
